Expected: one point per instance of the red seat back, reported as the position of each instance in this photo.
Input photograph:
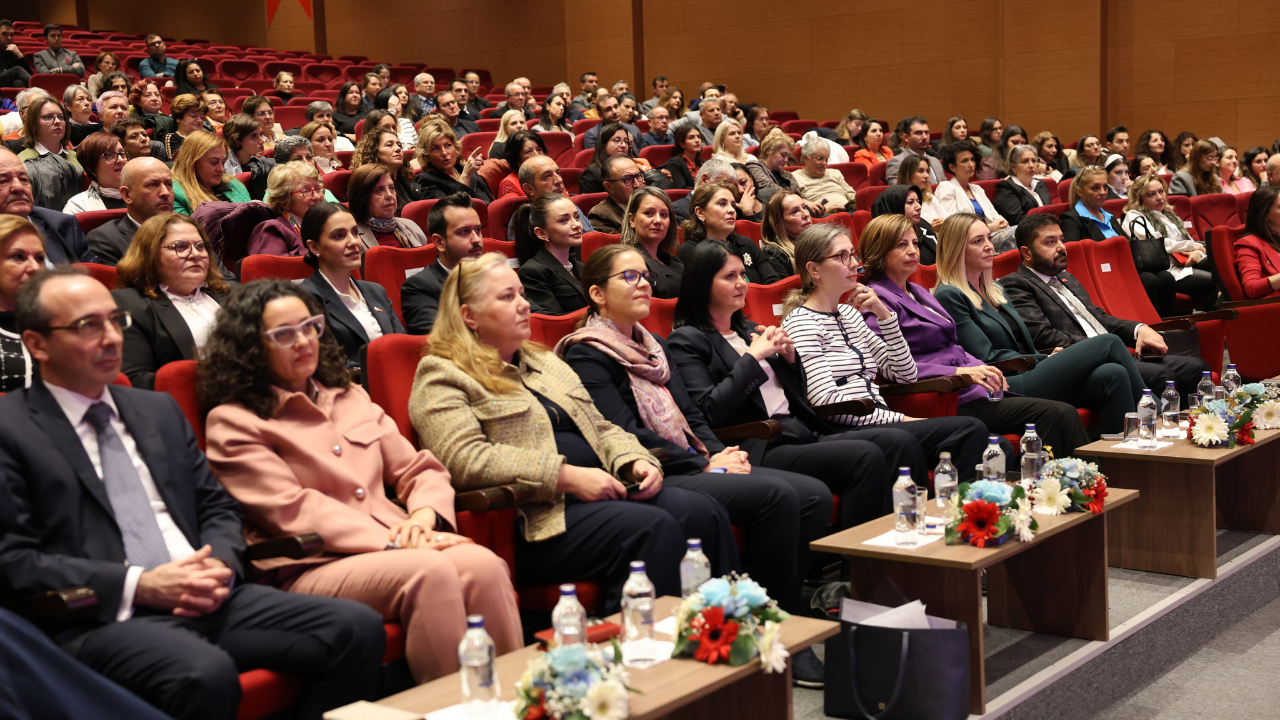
(418, 210)
(481, 140)
(781, 116)
(1054, 210)
(1209, 211)
(662, 313)
(875, 176)
(582, 158)
(1006, 263)
(105, 274)
(1064, 190)
(55, 83)
(1242, 205)
(867, 195)
(291, 116)
(179, 379)
(861, 218)
(593, 241)
(1251, 338)
(256, 267)
(588, 201)
(237, 69)
(390, 364)
(336, 183)
(275, 67)
(582, 126)
(1224, 259)
(657, 155)
(797, 126)
(506, 248)
(325, 72)
(90, 220)
(1078, 265)
(748, 229)
(925, 276)
(391, 266)
(854, 173)
(988, 187)
(572, 178)
(548, 329)
(764, 302)
(559, 147)
(500, 212)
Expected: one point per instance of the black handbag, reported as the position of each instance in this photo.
(1148, 253)
(879, 673)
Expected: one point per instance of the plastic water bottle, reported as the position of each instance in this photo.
(1205, 386)
(944, 481)
(569, 618)
(476, 655)
(1231, 379)
(1147, 420)
(904, 509)
(637, 618)
(1032, 449)
(695, 568)
(1169, 401)
(993, 460)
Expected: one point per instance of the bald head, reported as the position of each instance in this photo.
(1273, 169)
(15, 186)
(146, 186)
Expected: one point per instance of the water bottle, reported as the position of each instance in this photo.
(1032, 449)
(695, 568)
(1169, 401)
(905, 510)
(1147, 420)
(476, 655)
(569, 618)
(1205, 386)
(993, 460)
(944, 481)
(1231, 379)
(637, 618)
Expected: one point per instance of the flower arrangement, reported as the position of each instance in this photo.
(1229, 422)
(1266, 410)
(731, 619)
(573, 682)
(1069, 485)
(987, 512)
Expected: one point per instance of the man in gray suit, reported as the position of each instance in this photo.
(55, 58)
(914, 134)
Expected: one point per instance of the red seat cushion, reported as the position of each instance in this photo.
(395, 642)
(266, 692)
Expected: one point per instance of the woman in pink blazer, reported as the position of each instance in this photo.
(305, 450)
(1258, 252)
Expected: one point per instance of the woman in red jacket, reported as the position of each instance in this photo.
(1258, 252)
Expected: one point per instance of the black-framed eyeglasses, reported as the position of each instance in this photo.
(113, 156)
(286, 336)
(632, 179)
(92, 327)
(632, 277)
(846, 258)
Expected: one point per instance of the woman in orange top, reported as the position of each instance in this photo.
(872, 147)
(1258, 253)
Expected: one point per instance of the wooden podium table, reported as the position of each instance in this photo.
(1187, 492)
(1054, 584)
(678, 688)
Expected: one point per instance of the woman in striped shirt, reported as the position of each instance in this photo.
(841, 356)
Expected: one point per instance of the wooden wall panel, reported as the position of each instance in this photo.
(598, 38)
(236, 22)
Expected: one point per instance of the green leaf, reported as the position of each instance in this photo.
(682, 644)
(1018, 493)
(953, 536)
(961, 491)
(1002, 525)
(741, 650)
(1034, 525)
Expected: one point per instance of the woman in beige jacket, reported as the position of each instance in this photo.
(304, 450)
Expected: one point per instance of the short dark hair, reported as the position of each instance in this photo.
(583, 78)
(660, 78)
(950, 152)
(380, 67)
(904, 125)
(147, 39)
(515, 145)
(28, 312)
(1029, 228)
(121, 127)
(1255, 223)
(4, 22)
(51, 28)
(693, 303)
(360, 187)
(437, 223)
(1111, 134)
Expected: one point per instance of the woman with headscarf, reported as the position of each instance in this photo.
(905, 200)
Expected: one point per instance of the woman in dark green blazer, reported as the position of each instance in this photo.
(1098, 373)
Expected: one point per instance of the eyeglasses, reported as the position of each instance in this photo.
(309, 191)
(630, 179)
(286, 336)
(846, 258)
(52, 118)
(183, 249)
(92, 327)
(114, 156)
(632, 277)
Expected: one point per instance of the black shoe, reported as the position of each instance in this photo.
(807, 671)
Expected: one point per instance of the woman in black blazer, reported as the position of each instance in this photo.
(548, 235)
(172, 290)
(1021, 192)
(356, 311)
(684, 165)
(649, 226)
(444, 171)
(712, 216)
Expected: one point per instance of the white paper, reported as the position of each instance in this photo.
(661, 652)
(666, 627)
(1106, 267)
(1133, 445)
(886, 540)
(514, 263)
(856, 611)
(904, 617)
(497, 711)
(411, 272)
(364, 710)
(777, 310)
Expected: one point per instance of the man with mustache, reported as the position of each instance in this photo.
(1057, 310)
(454, 227)
(64, 242)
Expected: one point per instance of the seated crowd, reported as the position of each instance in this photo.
(612, 430)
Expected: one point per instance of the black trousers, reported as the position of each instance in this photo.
(602, 538)
(15, 77)
(1057, 423)
(1096, 373)
(1160, 289)
(917, 444)
(1199, 285)
(189, 667)
(782, 513)
(1183, 370)
(856, 470)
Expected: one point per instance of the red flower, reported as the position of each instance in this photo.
(1097, 493)
(980, 518)
(715, 636)
(1244, 436)
(539, 711)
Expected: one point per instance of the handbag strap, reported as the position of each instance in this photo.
(897, 684)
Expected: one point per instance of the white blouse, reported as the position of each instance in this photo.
(356, 304)
(775, 398)
(1136, 225)
(199, 310)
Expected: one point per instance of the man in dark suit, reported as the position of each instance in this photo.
(127, 506)
(1058, 312)
(447, 105)
(454, 227)
(64, 242)
(146, 186)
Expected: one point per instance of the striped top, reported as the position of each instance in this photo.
(841, 356)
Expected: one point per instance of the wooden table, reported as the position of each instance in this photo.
(678, 688)
(1054, 584)
(1187, 492)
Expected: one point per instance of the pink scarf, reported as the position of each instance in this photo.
(648, 373)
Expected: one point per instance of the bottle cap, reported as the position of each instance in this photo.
(1206, 373)
(568, 589)
(1146, 391)
(1168, 383)
(944, 455)
(475, 621)
(993, 440)
(637, 566)
(1231, 366)
(695, 543)
(1031, 427)
(904, 470)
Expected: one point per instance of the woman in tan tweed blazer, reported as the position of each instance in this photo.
(497, 409)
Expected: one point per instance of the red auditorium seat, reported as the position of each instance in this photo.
(860, 220)
(240, 70)
(481, 140)
(854, 173)
(55, 83)
(875, 176)
(1209, 211)
(581, 126)
(662, 313)
(336, 183)
(559, 147)
(548, 329)
(1223, 251)
(764, 302)
(582, 158)
(275, 67)
(489, 124)
(748, 229)
(588, 201)
(501, 211)
(797, 126)
(782, 116)
(291, 116)
(391, 266)
(325, 72)
(926, 276)
(1006, 263)
(105, 274)
(443, 75)
(867, 196)
(1064, 190)
(92, 219)
(1054, 210)
(404, 75)
(1242, 205)
(593, 241)
(486, 79)
(418, 210)
(571, 176)
(257, 267)
(356, 72)
(506, 248)
(657, 155)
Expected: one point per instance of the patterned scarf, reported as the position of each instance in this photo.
(1171, 218)
(648, 373)
(388, 226)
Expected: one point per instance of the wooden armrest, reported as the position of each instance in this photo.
(1170, 325)
(1250, 303)
(1206, 316)
(762, 430)
(63, 605)
(858, 407)
(295, 547)
(498, 497)
(1015, 365)
(945, 384)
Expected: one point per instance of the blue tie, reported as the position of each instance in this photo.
(143, 542)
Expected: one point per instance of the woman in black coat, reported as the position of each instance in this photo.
(1021, 192)
(712, 217)
(443, 173)
(684, 165)
(548, 235)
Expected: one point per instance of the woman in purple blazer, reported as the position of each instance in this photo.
(931, 334)
(292, 188)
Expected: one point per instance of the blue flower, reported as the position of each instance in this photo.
(991, 491)
(567, 659)
(750, 591)
(577, 684)
(1254, 388)
(715, 592)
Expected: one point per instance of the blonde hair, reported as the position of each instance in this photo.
(772, 141)
(717, 143)
(502, 126)
(1074, 196)
(450, 337)
(842, 130)
(427, 136)
(283, 178)
(193, 149)
(11, 226)
(953, 239)
(1138, 190)
(813, 246)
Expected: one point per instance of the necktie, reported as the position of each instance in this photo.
(143, 542)
(1076, 305)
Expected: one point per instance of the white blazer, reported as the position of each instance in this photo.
(950, 199)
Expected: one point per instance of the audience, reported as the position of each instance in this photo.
(64, 242)
(621, 177)
(608, 110)
(457, 236)
(541, 176)
(660, 130)
(1254, 166)
(156, 64)
(199, 174)
(706, 119)
(518, 149)
(727, 143)
(469, 103)
(188, 113)
(178, 618)
(820, 185)
(56, 175)
(996, 166)
(1049, 150)
(989, 134)
(871, 145)
(21, 256)
(102, 158)
(683, 165)
(518, 100)
(283, 85)
(1154, 144)
(650, 230)
(349, 108)
(1088, 154)
(1020, 192)
(713, 217)
(1118, 180)
(914, 171)
(548, 236)
(755, 126)
(55, 59)
(172, 290)
(444, 172)
(382, 147)
(451, 110)
(1258, 252)
(913, 136)
(146, 189)
(785, 217)
(770, 174)
(321, 135)
(590, 82)
(216, 114)
(78, 104)
(1097, 373)
(745, 201)
(1118, 140)
(373, 199)
(370, 85)
(259, 108)
(292, 189)
(554, 116)
(190, 78)
(960, 194)
(244, 140)
(906, 200)
(392, 104)
(615, 139)
(13, 66)
(1199, 176)
(1230, 177)
(1182, 147)
(1148, 217)
(113, 106)
(147, 104)
(513, 121)
(673, 101)
(660, 85)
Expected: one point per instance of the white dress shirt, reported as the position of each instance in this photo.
(775, 398)
(359, 308)
(74, 406)
(198, 309)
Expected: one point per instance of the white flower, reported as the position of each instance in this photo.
(1021, 517)
(773, 654)
(606, 700)
(1050, 498)
(1267, 416)
(1209, 429)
